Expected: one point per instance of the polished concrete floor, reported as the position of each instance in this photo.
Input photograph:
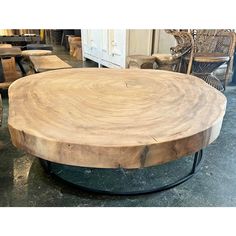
(23, 181)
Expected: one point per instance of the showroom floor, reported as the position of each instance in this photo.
(23, 181)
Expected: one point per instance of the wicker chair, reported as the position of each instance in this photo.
(173, 61)
(212, 49)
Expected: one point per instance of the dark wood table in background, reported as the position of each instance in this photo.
(19, 39)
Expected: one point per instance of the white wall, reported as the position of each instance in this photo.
(163, 42)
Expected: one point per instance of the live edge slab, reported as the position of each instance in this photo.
(111, 118)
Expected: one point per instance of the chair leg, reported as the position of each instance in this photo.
(229, 66)
(62, 38)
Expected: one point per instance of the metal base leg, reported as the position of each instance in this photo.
(2, 77)
(18, 61)
(48, 166)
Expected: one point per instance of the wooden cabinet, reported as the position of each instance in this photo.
(110, 48)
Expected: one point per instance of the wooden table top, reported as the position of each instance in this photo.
(50, 62)
(111, 118)
(27, 53)
(9, 52)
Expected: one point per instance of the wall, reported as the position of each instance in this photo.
(163, 41)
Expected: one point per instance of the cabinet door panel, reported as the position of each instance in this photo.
(91, 41)
(117, 46)
(95, 42)
(105, 45)
(85, 41)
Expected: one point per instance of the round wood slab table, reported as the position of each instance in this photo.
(114, 118)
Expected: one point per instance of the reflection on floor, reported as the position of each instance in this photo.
(23, 181)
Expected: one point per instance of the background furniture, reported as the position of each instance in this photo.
(212, 48)
(1, 110)
(25, 60)
(75, 47)
(85, 117)
(11, 32)
(27, 53)
(49, 62)
(39, 46)
(173, 61)
(19, 39)
(141, 62)
(8, 72)
(234, 68)
(110, 48)
(66, 34)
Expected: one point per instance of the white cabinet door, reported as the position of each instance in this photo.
(117, 47)
(85, 41)
(106, 47)
(91, 41)
(105, 55)
(95, 43)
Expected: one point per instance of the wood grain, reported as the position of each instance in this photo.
(10, 72)
(111, 118)
(27, 53)
(9, 52)
(50, 62)
(9, 68)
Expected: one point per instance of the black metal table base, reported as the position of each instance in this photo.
(49, 167)
(19, 62)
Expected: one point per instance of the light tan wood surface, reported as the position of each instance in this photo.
(9, 52)
(27, 53)
(5, 85)
(9, 69)
(50, 62)
(5, 45)
(112, 118)
(163, 57)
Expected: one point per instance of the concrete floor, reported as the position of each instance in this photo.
(23, 181)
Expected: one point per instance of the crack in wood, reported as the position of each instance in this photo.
(143, 156)
(154, 139)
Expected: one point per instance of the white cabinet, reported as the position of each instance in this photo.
(117, 40)
(113, 48)
(105, 45)
(94, 37)
(91, 44)
(110, 48)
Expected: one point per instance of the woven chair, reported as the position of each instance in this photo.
(212, 49)
(173, 61)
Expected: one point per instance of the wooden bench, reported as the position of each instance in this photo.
(46, 63)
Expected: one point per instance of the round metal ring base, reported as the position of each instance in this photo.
(72, 175)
